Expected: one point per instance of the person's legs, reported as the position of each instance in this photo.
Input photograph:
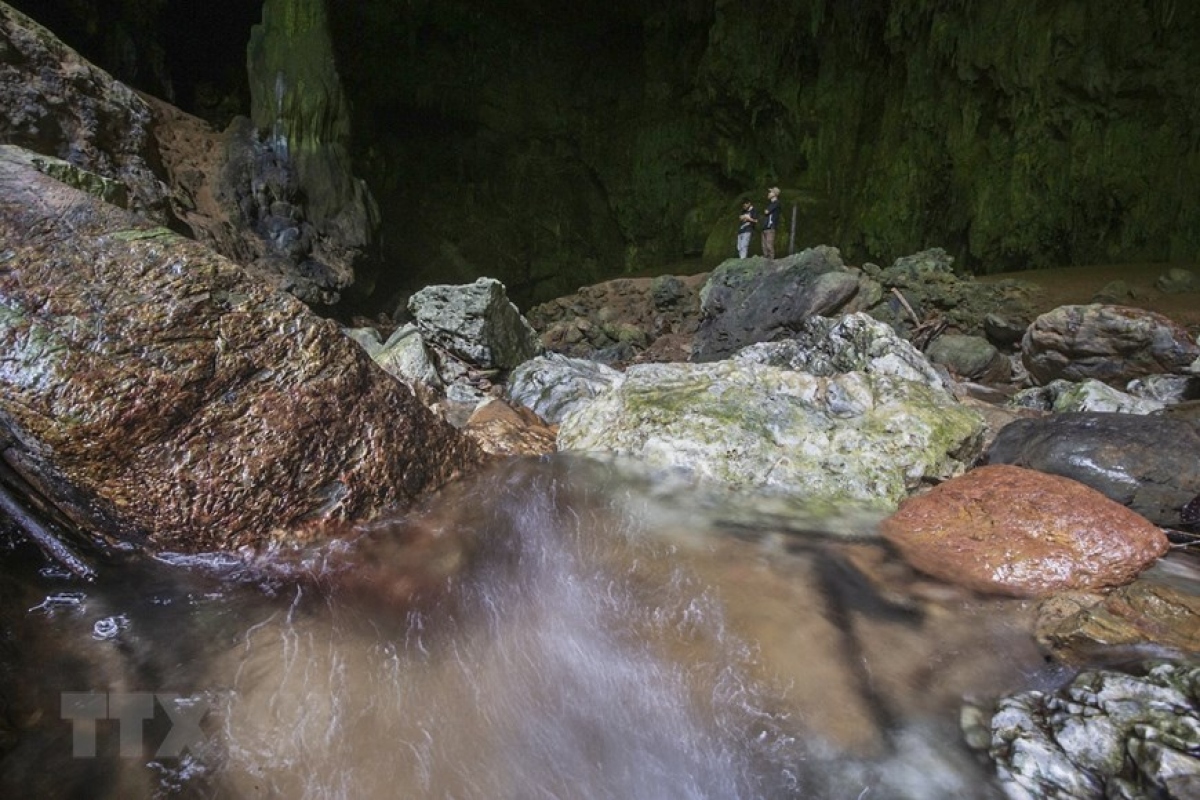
(743, 244)
(769, 243)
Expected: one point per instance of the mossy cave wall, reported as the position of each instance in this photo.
(553, 145)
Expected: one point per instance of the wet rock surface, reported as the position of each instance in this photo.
(1148, 463)
(1014, 531)
(1158, 613)
(504, 430)
(156, 393)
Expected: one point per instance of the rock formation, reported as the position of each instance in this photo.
(155, 393)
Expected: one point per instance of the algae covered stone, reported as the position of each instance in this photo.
(855, 437)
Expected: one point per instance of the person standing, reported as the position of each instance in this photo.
(770, 222)
(747, 222)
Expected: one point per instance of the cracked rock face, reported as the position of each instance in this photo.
(1105, 735)
(151, 389)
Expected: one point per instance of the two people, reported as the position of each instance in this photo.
(748, 221)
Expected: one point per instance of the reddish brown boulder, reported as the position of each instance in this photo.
(150, 390)
(1008, 530)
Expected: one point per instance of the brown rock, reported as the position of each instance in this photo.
(501, 429)
(1145, 616)
(1014, 531)
(151, 390)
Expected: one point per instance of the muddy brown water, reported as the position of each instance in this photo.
(1073, 285)
(553, 629)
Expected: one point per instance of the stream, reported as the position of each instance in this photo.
(553, 628)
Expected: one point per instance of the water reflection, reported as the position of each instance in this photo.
(554, 629)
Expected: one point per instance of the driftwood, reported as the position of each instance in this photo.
(43, 534)
(924, 331)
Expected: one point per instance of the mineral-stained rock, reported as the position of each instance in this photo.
(1148, 615)
(1147, 462)
(1008, 530)
(1113, 344)
(853, 438)
(151, 391)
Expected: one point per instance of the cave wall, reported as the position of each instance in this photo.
(552, 152)
(1017, 135)
(188, 52)
(553, 145)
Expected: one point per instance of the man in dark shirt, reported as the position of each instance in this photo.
(746, 224)
(771, 222)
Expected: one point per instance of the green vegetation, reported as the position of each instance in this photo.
(1015, 135)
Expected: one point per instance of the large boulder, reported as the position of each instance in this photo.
(858, 437)
(152, 392)
(757, 300)
(1013, 531)
(971, 358)
(1113, 344)
(475, 322)
(1148, 463)
(404, 356)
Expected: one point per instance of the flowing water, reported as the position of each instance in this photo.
(552, 629)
